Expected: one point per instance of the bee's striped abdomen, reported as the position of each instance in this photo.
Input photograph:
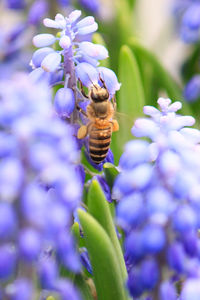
(99, 143)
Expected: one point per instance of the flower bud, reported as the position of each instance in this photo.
(64, 102)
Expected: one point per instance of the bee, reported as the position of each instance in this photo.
(100, 112)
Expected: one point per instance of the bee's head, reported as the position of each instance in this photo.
(98, 93)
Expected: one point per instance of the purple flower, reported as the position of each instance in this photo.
(37, 11)
(71, 29)
(15, 4)
(159, 201)
(20, 289)
(40, 188)
(92, 6)
(187, 13)
(192, 89)
(77, 57)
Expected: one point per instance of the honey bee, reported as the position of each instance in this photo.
(100, 112)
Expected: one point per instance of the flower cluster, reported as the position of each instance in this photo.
(40, 187)
(72, 59)
(55, 64)
(159, 207)
(187, 13)
(38, 5)
(11, 43)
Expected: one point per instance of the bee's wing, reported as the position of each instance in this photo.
(123, 118)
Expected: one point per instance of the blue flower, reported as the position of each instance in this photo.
(187, 13)
(40, 188)
(75, 59)
(159, 202)
(71, 31)
(192, 89)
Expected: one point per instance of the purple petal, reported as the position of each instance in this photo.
(151, 111)
(192, 89)
(191, 18)
(64, 102)
(87, 21)
(52, 24)
(48, 272)
(168, 291)
(164, 104)
(87, 74)
(73, 17)
(96, 51)
(37, 11)
(20, 289)
(191, 289)
(192, 134)
(110, 79)
(136, 152)
(38, 74)
(29, 244)
(7, 261)
(92, 6)
(40, 54)
(182, 121)
(65, 42)
(51, 62)
(88, 29)
(145, 127)
(43, 40)
(175, 106)
(8, 222)
(61, 21)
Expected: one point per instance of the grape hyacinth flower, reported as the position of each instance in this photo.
(92, 6)
(74, 59)
(159, 204)
(187, 13)
(192, 89)
(40, 189)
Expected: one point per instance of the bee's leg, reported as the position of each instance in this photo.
(82, 90)
(114, 102)
(81, 110)
(115, 125)
(82, 132)
(102, 81)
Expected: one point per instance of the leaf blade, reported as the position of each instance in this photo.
(107, 276)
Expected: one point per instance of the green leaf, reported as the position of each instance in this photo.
(83, 287)
(76, 231)
(163, 76)
(106, 270)
(131, 3)
(98, 207)
(110, 172)
(131, 94)
(131, 98)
